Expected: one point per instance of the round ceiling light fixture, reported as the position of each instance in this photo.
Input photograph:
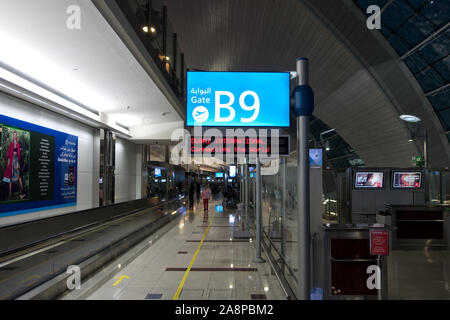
(410, 118)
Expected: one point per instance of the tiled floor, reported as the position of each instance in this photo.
(421, 274)
(223, 268)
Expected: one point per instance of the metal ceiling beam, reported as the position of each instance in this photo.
(387, 4)
(433, 92)
(425, 41)
(344, 157)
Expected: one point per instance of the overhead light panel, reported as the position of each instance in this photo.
(328, 131)
(47, 94)
(410, 118)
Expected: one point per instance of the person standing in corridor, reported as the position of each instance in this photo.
(206, 195)
(191, 196)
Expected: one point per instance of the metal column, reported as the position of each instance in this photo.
(108, 162)
(246, 202)
(425, 148)
(283, 207)
(258, 231)
(304, 106)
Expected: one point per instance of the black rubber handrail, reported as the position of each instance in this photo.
(78, 229)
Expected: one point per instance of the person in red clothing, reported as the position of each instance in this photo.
(206, 195)
(12, 173)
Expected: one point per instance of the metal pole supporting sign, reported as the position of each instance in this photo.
(304, 107)
(258, 258)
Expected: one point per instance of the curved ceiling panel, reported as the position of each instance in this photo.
(261, 35)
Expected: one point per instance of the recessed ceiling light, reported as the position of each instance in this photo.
(410, 118)
(145, 29)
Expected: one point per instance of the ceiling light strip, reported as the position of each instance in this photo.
(16, 85)
(30, 86)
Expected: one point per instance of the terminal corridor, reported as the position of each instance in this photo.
(222, 269)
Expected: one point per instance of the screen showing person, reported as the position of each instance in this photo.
(407, 180)
(369, 180)
(14, 164)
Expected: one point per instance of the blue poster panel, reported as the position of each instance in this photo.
(38, 168)
(315, 158)
(238, 99)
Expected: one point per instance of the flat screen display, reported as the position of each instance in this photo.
(219, 174)
(232, 171)
(242, 99)
(369, 179)
(407, 179)
(157, 172)
(240, 146)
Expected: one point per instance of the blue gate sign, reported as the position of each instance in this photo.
(238, 99)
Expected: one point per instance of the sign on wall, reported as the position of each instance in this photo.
(315, 158)
(243, 99)
(38, 168)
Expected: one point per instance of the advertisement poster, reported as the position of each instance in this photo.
(315, 158)
(38, 168)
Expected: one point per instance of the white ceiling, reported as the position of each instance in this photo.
(91, 66)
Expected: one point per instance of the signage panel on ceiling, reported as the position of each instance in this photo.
(243, 99)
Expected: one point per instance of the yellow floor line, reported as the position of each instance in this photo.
(180, 287)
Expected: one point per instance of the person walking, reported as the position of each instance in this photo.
(197, 187)
(206, 195)
(191, 196)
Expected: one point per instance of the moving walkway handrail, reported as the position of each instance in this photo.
(9, 252)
